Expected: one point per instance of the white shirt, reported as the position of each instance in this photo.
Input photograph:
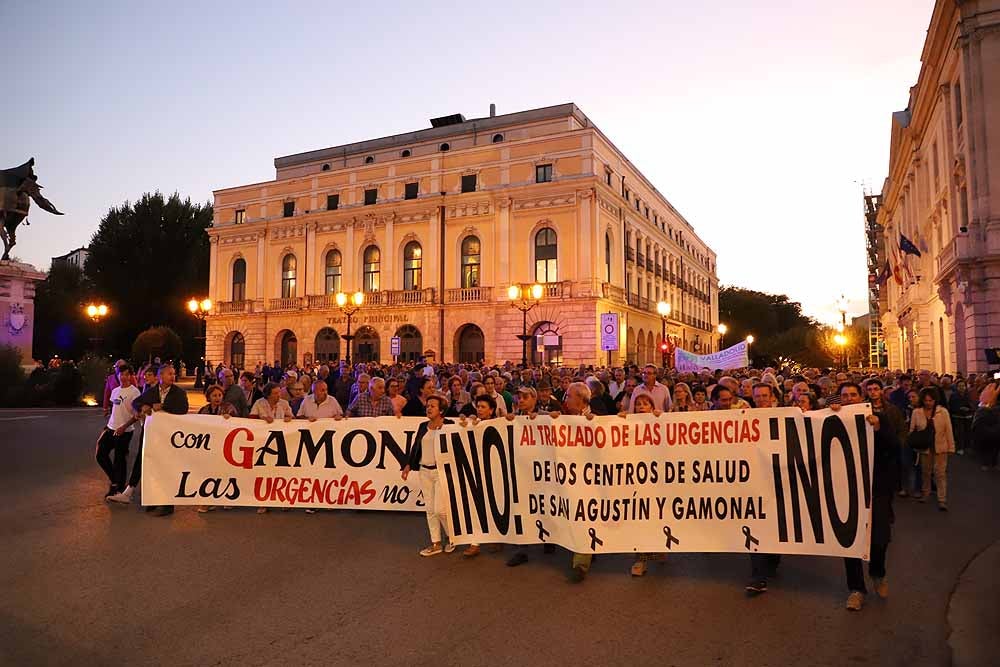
(121, 407)
(659, 393)
(263, 409)
(327, 409)
(427, 455)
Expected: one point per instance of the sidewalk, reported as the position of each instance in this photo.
(196, 397)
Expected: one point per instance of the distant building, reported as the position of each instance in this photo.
(76, 257)
(435, 226)
(941, 311)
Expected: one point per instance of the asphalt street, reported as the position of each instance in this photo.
(85, 583)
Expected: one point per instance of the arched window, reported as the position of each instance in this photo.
(497, 138)
(240, 280)
(412, 262)
(370, 159)
(545, 256)
(326, 167)
(237, 347)
(334, 265)
(470, 262)
(405, 153)
(445, 146)
(288, 276)
(372, 268)
(607, 258)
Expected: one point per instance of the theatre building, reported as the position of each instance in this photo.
(434, 227)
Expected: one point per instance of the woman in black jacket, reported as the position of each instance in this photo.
(422, 459)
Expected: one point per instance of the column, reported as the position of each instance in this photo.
(215, 291)
(351, 277)
(389, 255)
(261, 262)
(585, 237)
(502, 236)
(310, 258)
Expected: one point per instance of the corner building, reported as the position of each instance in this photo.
(943, 194)
(434, 226)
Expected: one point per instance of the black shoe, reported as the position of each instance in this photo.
(577, 575)
(548, 548)
(943, 507)
(163, 510)
(112, 491)
(756, 587)
(520, 558)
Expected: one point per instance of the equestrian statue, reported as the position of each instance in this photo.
(18, 186)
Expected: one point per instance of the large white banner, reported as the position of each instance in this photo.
(349, 463)
(768, 480)
(736, 356)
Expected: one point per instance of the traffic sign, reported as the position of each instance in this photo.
(609, 331)
(394, 346)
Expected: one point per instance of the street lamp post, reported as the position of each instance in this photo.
(200, 308)
(348, 306)
(663, 308)
(524, 300)
(841, 339)
(96, 312)
(722, 329)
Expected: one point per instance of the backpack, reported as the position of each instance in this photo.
(922, 441)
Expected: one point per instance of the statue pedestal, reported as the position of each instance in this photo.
(17, 306)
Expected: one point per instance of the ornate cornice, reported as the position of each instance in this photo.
(240, 239)
(567, 199)
(468, 210)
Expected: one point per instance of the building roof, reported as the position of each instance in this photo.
(451, 129)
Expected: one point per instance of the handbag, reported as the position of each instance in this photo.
(923, 440)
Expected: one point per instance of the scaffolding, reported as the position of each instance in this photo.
(875, 246)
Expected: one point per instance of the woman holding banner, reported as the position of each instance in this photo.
(683, 401)
(422, 459)
(644, 405)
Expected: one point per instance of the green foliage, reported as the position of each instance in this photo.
(60, 324)
(160, 342)
(778, 326)
(11, 375)
(146, 260)
(94, 370)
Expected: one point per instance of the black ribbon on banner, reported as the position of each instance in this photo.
(750, 538)
(595, 540)
(542, 533)
(671, 540)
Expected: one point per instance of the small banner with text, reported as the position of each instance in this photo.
(736, 356)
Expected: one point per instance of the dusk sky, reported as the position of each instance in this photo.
(758, 121)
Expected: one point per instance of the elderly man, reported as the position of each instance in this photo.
(657, 391)
(373, 402)
(360, 387)
(577, 402)
(232, 393)
(319, 404)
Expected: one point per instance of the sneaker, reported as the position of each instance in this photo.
(577, 574)
(960, 452)
(756, 587)
(903, 493)
(310, 511)
(881, 587)
(432, 550)
(942, 506)
(471, 552)
(125, 497)
(261, 510)
(112, 490)
(450, 547)
(520, 558)
(163, 510)
(206, 508)
(639, 568)
(855, 601)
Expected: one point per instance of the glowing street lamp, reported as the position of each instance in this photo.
(349, 305)
(524, 300)
(841, 340)
(722, 329)
(96, 311)
(664, 309)
(199, 308)
(750, 339)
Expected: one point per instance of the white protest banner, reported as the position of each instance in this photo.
(768, 480)
(732, 357)
(208, 460)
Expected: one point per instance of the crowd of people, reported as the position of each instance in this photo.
(919, 419)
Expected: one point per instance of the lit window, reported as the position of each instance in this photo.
(412, 262)
(546, 252)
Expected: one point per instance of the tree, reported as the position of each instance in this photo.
(60, 324)
(146, 260)
(162, 342)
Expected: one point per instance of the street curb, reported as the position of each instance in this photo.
(974, 611)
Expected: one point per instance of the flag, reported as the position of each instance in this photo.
(884, 274)
(922, 242)
(897, 275)
(906, 245)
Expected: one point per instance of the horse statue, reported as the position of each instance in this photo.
(18, 186)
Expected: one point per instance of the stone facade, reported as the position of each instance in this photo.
(943, 193)
(434, 226)
(17, 307)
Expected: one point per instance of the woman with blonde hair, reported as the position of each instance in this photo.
(683, 399)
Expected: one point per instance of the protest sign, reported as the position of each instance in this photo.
(767, 480)
(207, 460)
(736, 356)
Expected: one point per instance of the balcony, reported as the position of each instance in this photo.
(284, 304)
(233, 307)
(609, 291)
(468, 295)
(947, 258)
(559, 290)
(640, 260)
(649, 264)
(629, 254)
(415, 297)
(659, 271)
(673, 278)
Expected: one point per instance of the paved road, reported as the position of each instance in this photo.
(87, 584)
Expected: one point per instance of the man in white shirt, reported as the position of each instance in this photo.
(658, 392)
(115, 437)
(319, 404)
